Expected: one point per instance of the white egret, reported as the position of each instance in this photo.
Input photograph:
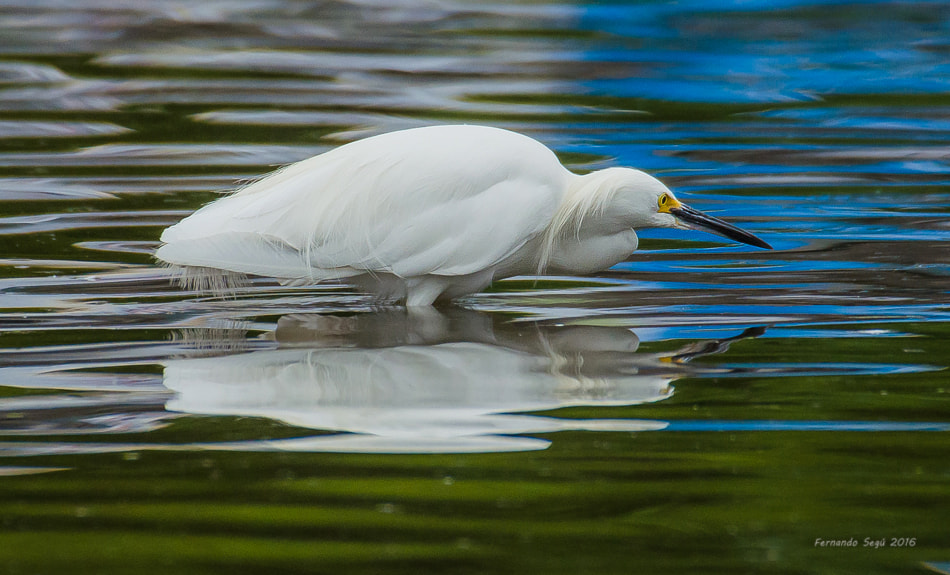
(428, 213)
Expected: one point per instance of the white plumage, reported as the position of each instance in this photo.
(425, 213)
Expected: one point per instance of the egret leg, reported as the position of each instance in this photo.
(423, 291)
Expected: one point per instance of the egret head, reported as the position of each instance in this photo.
(637, 200)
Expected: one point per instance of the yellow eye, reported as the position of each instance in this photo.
(664, 200)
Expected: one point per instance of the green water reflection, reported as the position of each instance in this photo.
(650, 502)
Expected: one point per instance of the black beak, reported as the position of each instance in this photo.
(700, 221)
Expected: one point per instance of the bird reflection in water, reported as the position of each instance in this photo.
(428, 381)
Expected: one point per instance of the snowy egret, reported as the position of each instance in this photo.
(425, 214)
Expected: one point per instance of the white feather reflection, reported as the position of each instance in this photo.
(425, 381)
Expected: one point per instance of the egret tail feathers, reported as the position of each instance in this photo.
(208, 280)
(243, 253)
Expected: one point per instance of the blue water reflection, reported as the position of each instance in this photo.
(777, 53)
(767, 425)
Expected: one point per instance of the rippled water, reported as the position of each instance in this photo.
(701, 406)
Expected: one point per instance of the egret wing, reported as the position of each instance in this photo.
(448, 201)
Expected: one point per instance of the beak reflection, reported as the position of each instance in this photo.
(697, 220)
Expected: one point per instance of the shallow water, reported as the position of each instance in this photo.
(702, 405)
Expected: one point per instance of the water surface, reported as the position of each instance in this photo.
(701, 406)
